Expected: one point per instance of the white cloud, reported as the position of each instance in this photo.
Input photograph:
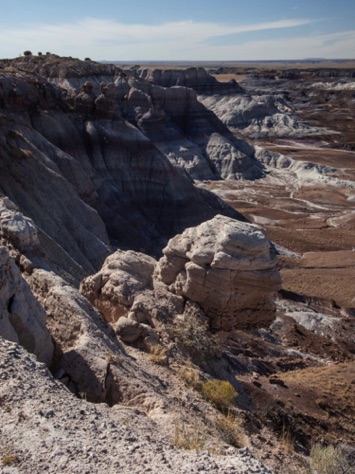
(333, 45)
(109, 39)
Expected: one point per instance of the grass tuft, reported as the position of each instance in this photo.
(158, 354)
(188, 437)
(331, 460)
(230, 429)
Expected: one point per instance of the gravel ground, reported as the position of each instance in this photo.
(44, 428)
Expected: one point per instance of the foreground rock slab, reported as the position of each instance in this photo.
(44, 428)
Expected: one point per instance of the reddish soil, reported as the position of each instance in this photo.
(311, 397)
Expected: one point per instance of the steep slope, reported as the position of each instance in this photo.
(46, 429)
(162, 104)
(89, 179)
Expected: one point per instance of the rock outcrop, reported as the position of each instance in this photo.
(86, 177)
(22, 318)
(88, 358)
(83, 346)
(259, 116)
(196, 78)
(163, 105)
(225, 266)
(122, 276)
(228, 268)
(44, 428)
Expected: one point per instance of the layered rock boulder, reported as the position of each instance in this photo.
(122, 276)
(228, 268)
(225, 266)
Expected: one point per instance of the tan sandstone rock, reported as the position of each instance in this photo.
(227, 267)
(122, 276)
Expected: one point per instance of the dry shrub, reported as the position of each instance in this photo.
(331, 460)
(190, 376)
(9, 459)
(192, 331)
(188, 437)
(230, 429)
(158, 354)
(219, 392)
(287, 440)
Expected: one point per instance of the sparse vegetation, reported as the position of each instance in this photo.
(9, 459)
(331, 460)
(219, 392)
(230, 429)
(188, 437)
(192, 331)
(190, 376)
(158, 354)
(287, 440)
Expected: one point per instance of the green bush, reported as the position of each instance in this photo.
(219, 392)
(27, 53)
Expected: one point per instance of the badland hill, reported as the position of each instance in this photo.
(176, 264)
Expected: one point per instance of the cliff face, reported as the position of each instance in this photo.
(196, 78)
(87, 177)
(163, 104)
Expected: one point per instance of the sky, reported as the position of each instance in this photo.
(158, 30)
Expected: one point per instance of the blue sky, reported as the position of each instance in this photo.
(180, 30)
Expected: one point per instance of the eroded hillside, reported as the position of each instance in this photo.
(130, 182)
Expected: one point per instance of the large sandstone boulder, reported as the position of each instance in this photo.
(227, 267)
(22, 318)
(127, 296)
(122, 276)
